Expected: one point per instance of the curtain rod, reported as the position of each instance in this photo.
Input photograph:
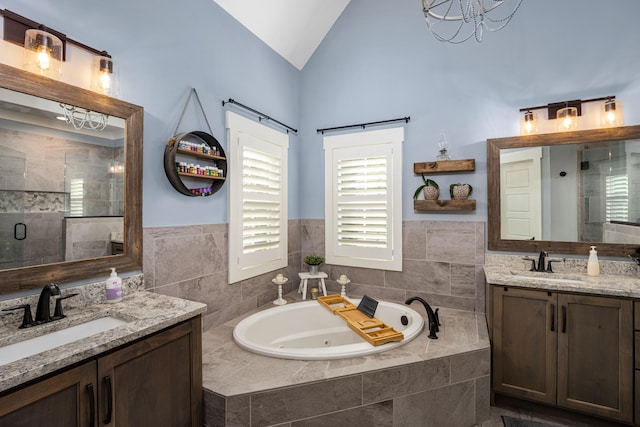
(259, 114)
(364, 125)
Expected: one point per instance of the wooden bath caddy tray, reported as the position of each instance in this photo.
(375, 331)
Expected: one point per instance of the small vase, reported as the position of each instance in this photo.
(431, 193)
(460, 192)
(314, 270)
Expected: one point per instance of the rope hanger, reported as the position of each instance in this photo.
(193, 92)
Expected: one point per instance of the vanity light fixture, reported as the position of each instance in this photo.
(567, 114)
(43, 53)
(529, 123)
(45, 50)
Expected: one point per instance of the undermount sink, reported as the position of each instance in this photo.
(551, 278)
(20, 350)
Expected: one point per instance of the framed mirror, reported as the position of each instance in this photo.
(70, 194)
(564, 192)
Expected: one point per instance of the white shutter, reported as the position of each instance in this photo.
(258, 198)
(617, 200)
(363, 199)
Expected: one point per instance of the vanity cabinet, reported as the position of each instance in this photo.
(569, 350)
(154, 381)
(64, 400)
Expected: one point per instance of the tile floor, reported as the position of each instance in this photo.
(540, 413)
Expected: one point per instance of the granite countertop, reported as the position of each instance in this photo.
(605, 284)
(144, 312)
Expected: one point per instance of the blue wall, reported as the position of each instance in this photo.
(163, 49)
(380, 62)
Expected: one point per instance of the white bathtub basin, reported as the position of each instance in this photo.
(308, 331)
(20, 350)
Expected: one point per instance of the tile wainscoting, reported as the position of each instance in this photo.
(442, 263)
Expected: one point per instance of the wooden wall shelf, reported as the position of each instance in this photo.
(444, 205)
(445, 166)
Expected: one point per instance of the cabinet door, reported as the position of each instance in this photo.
(64, 400)
(154, 382)
(524, 343)
(595, 355)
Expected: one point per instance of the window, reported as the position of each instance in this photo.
(617, 198)
(257, 198)
(363, 199)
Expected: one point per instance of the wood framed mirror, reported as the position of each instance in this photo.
(564, 192)
(131, 117)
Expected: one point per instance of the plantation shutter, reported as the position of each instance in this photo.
(258, 199)
(363, 199)
(261, 204)
(617, 200)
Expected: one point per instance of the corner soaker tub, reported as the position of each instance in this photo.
(308, 331)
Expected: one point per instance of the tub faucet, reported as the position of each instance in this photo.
(43, 311)
(434, 320)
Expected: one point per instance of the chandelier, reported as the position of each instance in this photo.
(456, 21)
(81, 118)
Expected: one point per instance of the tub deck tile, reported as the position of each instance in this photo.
(421, 378)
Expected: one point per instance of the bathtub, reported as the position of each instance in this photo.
(308, 331)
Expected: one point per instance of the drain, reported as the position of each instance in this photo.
(327, 343)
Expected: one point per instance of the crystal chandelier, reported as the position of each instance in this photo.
(81, 118)
(456, 21)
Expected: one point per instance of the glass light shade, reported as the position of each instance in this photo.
(529, 123)
(567, 118)
(612, 114)
(103, 78)
(43, 53)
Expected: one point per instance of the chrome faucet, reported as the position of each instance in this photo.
(43, 311)
(434, 319)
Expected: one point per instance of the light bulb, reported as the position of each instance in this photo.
(104, 81)
(43, 60)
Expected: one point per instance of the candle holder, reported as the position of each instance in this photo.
(280, 280)
(343, 280)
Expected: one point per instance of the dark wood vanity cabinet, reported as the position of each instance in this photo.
(573, 351)
(64, 400)
(156, 381)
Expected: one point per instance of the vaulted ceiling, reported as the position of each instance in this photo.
(292, 28)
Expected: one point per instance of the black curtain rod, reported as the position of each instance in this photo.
(259, 114)
(364, 125)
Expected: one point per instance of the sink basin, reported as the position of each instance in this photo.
(550, 279)
(20, 350)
